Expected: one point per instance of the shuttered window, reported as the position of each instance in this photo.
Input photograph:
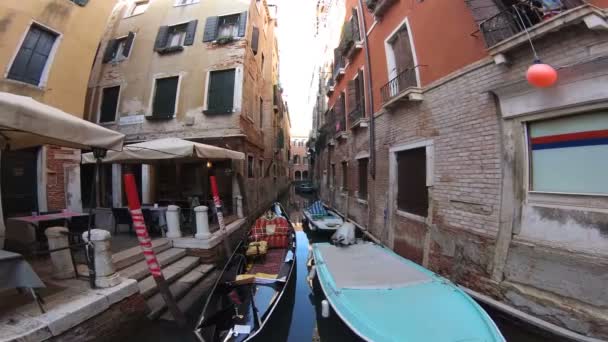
(33, 56)
(344, 176)
(255, 40)
(362, 168)
(118, 49)
(165, 97)
(109, 104)
(173, 38)
(250, 166)
(220, 98)
(412, 193)
(225, 28)
(261, 113)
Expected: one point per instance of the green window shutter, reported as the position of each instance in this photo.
(211, 29)
(280, 139)
(165, 96)
(255, 40)
(243, 24)
(80, 2)
(221, 92)
(110, 50)
(190, 32)
(128, 44)
(161, 38)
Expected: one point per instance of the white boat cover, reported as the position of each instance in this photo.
(25, 122)
(162, 149)
(365, 266)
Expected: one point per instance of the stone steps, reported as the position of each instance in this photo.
(195, 295)
(134, 255)
(179, 289)
(140, 270)
(147, 286)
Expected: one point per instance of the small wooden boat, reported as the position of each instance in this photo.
(381, 297)
(252, 282)
(320, 218)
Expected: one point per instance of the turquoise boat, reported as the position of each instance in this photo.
(382, 297)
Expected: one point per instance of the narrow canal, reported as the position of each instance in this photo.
(298, 317)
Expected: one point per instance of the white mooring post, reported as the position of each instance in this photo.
(105, 273)
(63, 267)
(239, 206)
(202, 223)
(173, 228)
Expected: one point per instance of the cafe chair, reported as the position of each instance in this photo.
(78, 225)
(122, 216)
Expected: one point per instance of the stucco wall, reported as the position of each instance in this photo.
(80, 28)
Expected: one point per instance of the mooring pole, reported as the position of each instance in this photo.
(146, 246)
(220, 216)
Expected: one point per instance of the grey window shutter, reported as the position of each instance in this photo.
(190, 32)
(128, 44)
(255, 40)
(243, 24)
(110, 49)
(161, 38)
(211, 28)
(351, 99)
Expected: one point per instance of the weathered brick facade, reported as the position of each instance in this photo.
(472, 146)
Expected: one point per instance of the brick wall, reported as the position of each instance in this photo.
(57, 159)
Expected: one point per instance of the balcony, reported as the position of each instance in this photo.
(339, 68)
(350, 42)
(404, 87)
(330, 87)
(356, 117)
(506, 29)
(379, 7)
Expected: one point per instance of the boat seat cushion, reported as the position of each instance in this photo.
(256, 248)
(275, 231)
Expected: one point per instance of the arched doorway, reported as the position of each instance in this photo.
(298, 175)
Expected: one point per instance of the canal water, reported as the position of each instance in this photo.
(298, 317)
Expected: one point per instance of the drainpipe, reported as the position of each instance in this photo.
(368, 77)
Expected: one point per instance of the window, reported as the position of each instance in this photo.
(165, 97)
(118, 49)
(139, 8)
(33, 57)
(412, 193)
(362, 165)
(356, 98)
(250, 166)
(333, 175)
(400, 63)
(568, 154)
(261, 113)
(262, 65)
(173, 38)
(298, 175)
(296, 159)
(261, 163)
(226, 28)
(185, 2)
(109, 104)
(344, 175)
(220, 97)
(305, 160)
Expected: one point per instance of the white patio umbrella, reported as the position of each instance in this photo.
(25, 122)
(164, 149)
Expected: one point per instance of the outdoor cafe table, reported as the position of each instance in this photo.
(16, 273)
(35, 220)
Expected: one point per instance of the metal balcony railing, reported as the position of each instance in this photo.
(339, 63)
(406, 79)
(517, 18)
(356, 114)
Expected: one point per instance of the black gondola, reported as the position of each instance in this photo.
(252, 282)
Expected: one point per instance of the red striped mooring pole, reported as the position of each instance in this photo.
(146, 246)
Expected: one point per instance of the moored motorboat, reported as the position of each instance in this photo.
(252, 282)
(381, 297)
(320, 218)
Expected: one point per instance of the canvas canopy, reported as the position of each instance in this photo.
(25, 122)
(164, 149)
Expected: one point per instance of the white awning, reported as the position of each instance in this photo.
(25, 122)
(164, 149)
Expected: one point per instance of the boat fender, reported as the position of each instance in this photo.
(325, 308)
(311, 275)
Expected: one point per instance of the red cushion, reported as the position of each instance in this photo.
(280, 237)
